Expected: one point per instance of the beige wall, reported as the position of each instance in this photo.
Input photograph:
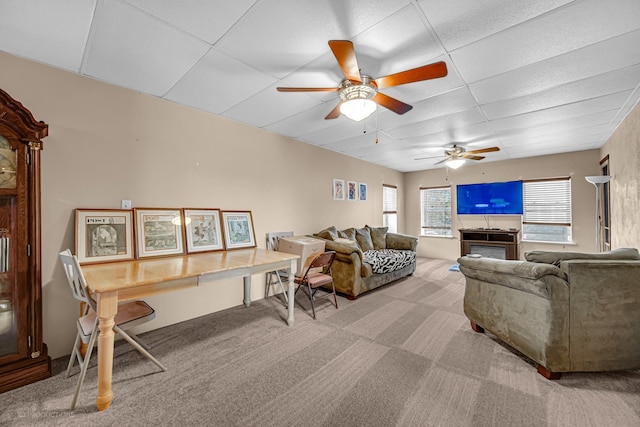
(106, 144)
(623, 149)
(576, 165)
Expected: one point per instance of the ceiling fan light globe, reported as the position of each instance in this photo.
(454, 164)
(358, 109)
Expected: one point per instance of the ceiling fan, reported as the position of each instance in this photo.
(359, 93)
(457, 155)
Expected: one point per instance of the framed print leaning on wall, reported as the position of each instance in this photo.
(238, 229)
(158, 232)
(202, 229)
(104, 235)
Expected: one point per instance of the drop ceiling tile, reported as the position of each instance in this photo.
(574, 124)
(603, 84)
(398, 43)
(280, 49)
(305, 122)
(591, 22)
(601, 58)
(481, 132)
(205, 19)
(270, 106)
(454, 101)
(340, 131)
(438, 124)
(131, 49)
(54, 33)
(218, 83)
(358, 141)
(551, 115)
(460, 22)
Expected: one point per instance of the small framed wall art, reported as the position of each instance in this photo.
(338, 189)
(104, 235)
(203, 230)
(159, 232)
(238, 229)
(352, 190)
(362, 193)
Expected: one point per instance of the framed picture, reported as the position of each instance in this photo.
(202, 230)
(159, 232)
(104, 235)
(362, 193)
(238, 229)
(352, 190)
(338, 189)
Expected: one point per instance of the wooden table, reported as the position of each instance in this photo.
(127, 280)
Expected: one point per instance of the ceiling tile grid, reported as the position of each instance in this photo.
(531, 78)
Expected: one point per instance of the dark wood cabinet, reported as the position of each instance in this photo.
(23, 355)
(490, 243)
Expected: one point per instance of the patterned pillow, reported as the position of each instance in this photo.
(388, 260)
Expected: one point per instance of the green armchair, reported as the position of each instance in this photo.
(566, 311)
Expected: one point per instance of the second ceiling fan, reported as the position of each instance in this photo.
(359, 93)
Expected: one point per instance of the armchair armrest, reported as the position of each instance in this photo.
(401, 242)
(535, 278)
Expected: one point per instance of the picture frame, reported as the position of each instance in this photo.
(362, 191)
(104, 235)
(352, 190)
(159, 232)
(238, 230)
(203, 230)
(338, 189)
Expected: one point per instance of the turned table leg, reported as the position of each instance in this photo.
(107, 307)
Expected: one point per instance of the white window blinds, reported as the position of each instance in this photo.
(547, 201)
(435, 211)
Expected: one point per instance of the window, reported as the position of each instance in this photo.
(547, 210)
(390, 207)
(606, 208)
(435, 211)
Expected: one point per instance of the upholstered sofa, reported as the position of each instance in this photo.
(565, 311)
(368, 257)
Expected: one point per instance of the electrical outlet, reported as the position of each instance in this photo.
(125, 204)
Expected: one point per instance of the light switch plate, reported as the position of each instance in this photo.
(125, 204)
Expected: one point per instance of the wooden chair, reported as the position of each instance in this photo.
(317, 275)
(130, 314)
(277, 276)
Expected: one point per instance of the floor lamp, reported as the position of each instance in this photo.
(598, 180)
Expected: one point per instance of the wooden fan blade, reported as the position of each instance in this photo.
(426, 158)
(346, 57)
(483, 150)
(472, 157)
(392, 104)
(335, 113)
(426, 72)
(307, 89)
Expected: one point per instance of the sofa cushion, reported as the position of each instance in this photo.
(348, 233)
(328, 233)
(388, 260)
(555, 258)
(363, 236)
(378, 236)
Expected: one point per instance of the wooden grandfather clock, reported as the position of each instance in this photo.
(23, 355)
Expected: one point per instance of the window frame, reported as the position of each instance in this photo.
(424, 226)
(387, 215)
(563, 221)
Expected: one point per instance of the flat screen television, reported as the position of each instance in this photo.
(493, 198)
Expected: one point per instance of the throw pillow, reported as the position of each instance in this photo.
(328, 233)
(379, 237)
(348, 233)
(555, 258)
(363, 236)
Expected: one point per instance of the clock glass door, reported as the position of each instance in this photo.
(9, 291)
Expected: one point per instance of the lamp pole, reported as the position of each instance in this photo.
(598, 181)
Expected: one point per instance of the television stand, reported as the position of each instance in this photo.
(490, 243)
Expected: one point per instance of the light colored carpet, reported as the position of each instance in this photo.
(402, 355)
